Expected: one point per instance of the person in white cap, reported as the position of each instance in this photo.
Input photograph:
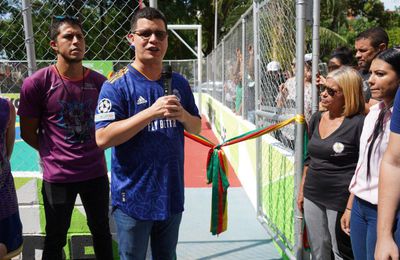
(271, 82)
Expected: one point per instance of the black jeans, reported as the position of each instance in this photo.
(59, 201)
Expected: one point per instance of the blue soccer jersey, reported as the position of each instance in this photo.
(395, 122)
(147, 171)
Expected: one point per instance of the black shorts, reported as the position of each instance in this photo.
(11, 232)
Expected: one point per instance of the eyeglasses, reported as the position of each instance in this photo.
(65, 17)
(331, 92)
(146, 34)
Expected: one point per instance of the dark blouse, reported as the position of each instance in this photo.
(331, 162)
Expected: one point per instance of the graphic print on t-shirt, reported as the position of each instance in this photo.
(77, 121)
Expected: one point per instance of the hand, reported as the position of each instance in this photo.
(250, 49)
(159, 108)
(300, 201)
(174, 109)
(345, 222)
(238, 54)
(283, 89)
(386, 249)
(320, 80)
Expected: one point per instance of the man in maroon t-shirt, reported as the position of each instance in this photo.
(56, 112)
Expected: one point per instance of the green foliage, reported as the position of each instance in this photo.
(107, 24)
(394, 36)
(348, 18)
(233, 15)
(330, 40)
(354, 27)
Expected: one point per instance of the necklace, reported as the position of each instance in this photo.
(65, 87)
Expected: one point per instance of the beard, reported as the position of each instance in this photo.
(364, 66)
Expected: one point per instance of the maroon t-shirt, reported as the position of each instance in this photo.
(65, 109)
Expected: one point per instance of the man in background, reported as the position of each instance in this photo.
(56, 112)
(368, 45)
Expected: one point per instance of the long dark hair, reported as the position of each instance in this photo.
(392, 57)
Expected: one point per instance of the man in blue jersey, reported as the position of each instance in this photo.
(145, 129)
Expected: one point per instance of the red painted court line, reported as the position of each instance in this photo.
(196, 160)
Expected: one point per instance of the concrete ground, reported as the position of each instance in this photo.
(244, 239)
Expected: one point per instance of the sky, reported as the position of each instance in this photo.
(391, 4)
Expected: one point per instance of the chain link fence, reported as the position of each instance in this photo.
(270, 101)
(277, 47)
(105, 24)
(229, 74)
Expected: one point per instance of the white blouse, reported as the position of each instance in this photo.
(367, 189)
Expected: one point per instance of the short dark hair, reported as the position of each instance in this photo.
(149, 13)
(391, 56)
(58, 20)
(344, 54)
(377, 36)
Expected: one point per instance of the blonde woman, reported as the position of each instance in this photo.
(331, 160)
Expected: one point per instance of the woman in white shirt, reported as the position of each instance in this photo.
(361, 211)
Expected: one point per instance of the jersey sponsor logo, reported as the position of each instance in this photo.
(89, 86)
(104, 105)
(177, 94)
(104, 117)
(141, 100)
(161, 124)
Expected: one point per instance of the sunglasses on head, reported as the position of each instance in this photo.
(65, 17)
(331, 92)
(146, 34)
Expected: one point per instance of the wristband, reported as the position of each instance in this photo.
(349, 209)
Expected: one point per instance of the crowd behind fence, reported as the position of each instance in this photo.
(250, 72)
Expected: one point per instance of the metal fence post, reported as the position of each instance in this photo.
(200, 64)
(257, 91)
(315, 52)
(214, 67)
(223, 71)
(244, 106)
(208, 74)
(300, 31)
(29, 40)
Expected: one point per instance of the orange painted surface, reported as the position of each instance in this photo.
(196, 160)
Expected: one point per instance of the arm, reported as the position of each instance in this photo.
(345, 220)
(191, 123)
(121, 131)
(300, 196)
(389, 198)
(251, 61)
(282, 95)
(10, 132)
(238, 66)
(29, 131)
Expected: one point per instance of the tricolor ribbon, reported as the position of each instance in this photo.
(217, 168)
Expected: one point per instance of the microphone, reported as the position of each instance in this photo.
(166, 74)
